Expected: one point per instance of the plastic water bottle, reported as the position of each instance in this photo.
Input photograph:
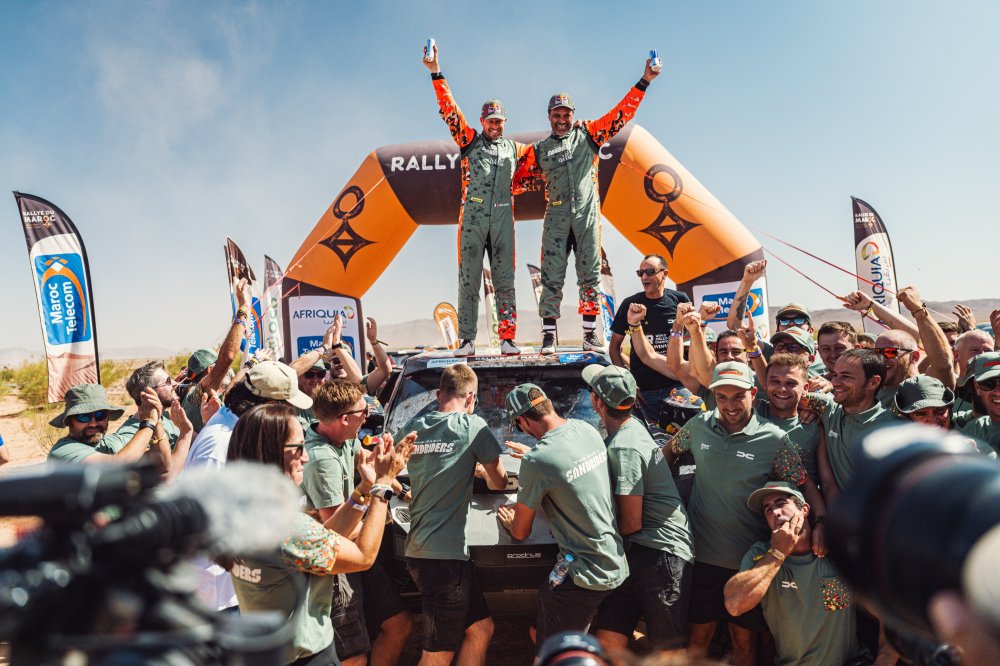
(657, 63)
(559, 571)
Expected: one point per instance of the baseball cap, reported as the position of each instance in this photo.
(615, 386)
(756, 498)
(561, 99)
(493, 108)
(986, 366)
(799, 335)
(732, 373)
(199, 361)
(793, 308)
(518, 402)
(277, 381)
(921, 392)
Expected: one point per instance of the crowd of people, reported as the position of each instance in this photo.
(775, 425)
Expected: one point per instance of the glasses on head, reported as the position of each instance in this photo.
(296, 448)
(793, 321)
(892, 352)
(101, 415)
(314, 374)
(649, 271)
(989, 384)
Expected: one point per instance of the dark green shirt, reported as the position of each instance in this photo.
(844, 433)
(985, 430)
(806, 437)
(328, 477)
(72, 450)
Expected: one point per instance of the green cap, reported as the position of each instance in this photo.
(518, 401)
(799, 335)
(561, 99)
(986, 366)
(493, 108)
(615, 386)
(732, 373)
(756, 498)
(793, 309)
(200, 360)
(321, 365)
(85, 399)
(921, 392)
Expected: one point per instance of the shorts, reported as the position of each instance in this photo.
(658, 589)
(707, 599)
(362, 601)
(451, 601)
(566, 607)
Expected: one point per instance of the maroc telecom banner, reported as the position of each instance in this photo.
(274, 332)
(873, 257)
(61, 276)
(309, 311)
(646, 194)
(238, 268)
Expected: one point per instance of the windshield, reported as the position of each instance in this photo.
(564, 387)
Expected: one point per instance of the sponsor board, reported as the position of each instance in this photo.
(62, 293)
(874, 261)
(724, 293)
(442, 362)
(310, 316)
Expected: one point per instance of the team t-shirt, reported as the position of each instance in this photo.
(660, 315)
(328, 477)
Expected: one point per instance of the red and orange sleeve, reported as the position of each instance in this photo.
(452, 114)
(607, 126)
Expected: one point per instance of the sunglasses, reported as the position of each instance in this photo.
(297, 448)
(649, 271)
(892, 352)
(93, 416)
(789, 347)
(366, 410)
(793, 321)
(167, 382)
(314, 374)
(989, 384)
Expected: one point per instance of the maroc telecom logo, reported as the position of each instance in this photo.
(869, 250)
(62, 287)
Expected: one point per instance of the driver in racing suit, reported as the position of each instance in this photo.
(486, 217)
(567, 160)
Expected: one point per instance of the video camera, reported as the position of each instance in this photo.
(105, 574)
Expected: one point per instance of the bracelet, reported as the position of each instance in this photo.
(755, 353)
(239, 320)
(251, 362)
(243, 313)
(359, 498)
(868, 311)
(634, 328)
(776, 554)
(921, 310)
(677, 334)
(357, 507)
(322, 350)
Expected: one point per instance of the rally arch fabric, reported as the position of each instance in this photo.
(645, 193)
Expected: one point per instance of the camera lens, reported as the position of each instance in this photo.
(902, 529)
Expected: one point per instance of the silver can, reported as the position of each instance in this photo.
(657, 64)
(429, 54)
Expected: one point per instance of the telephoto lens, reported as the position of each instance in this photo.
(904, 527)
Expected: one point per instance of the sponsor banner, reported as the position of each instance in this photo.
(310, 316)
(724, 293)
(607, 285)
(443, 362)
(490, 299)
(536, 282)
(873, 259)
(64, 295)
(447, 320)
(238, 268)
(274, 333)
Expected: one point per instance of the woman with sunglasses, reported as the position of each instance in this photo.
(271, 434)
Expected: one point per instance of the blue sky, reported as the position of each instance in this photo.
(163, 127)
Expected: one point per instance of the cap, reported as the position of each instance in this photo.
(986, 366)
(561, 99)
(86, 399)
(493, 108)
(921, 392)
(518, 402)
(732, 373)
(799, 335)
(199, 361)
(614, 385)
(320, 364)
(710, 336)
(793, 308)
(277, 381)
(756, 498)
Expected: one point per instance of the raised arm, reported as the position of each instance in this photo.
(701, 358)
(231, 345)
(447, 106)
(607, 126)
(650, 357)
(863, 303)
(752, 272)
(383, 364)
(939, 355)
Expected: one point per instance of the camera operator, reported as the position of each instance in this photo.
(271, 434)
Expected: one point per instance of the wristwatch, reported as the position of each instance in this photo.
(382, 492)
(147, 424)
(339, 345)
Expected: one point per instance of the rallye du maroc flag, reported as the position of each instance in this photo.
(61, 275)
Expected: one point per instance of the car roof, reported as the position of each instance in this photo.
(492, 358)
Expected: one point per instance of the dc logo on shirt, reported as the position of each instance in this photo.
(789, 584)
(744, 454)
(705, 447)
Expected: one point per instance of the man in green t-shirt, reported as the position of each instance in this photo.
(651, 519)
(807, 606)
(365, 603)
(787, 376)
(453, 446)
(986, 373)
(735, 453)
(566, 476)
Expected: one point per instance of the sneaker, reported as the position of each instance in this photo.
(592, 342)
(508, 348)
(548, 343)
(466, 348)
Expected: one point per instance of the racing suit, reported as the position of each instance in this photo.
(572, 221)
(486, 217)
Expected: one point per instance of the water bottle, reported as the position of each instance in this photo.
(657, 63)
(559, 571)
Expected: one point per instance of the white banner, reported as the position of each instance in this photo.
(724, 293)
(873, 258)
(310, 316)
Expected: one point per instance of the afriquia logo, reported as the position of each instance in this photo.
(62, 284)
(879, 269)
